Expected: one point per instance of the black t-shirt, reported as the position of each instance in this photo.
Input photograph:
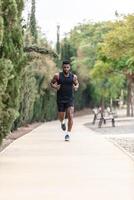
(65, 93)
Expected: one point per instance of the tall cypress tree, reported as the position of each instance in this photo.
(58, 50)
(1, 25)
(33, 26)
(11, 60)
(58, 40)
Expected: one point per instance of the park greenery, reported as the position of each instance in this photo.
(25, 94)
(101, 54)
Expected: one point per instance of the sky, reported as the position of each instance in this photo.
(68, 13)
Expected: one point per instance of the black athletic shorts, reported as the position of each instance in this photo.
(63, 106)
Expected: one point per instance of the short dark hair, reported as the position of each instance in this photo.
(66, 62)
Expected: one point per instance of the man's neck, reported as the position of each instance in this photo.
(66, 75)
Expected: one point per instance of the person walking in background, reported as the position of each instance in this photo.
(65, 83)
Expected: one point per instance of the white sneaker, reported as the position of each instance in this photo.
(67, 138)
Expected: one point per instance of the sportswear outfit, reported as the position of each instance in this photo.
(65, 96)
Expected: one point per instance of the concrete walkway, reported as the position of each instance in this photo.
(41, 166)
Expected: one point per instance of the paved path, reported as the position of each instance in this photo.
(41, 166)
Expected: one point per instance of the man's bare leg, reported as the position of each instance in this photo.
(70, 112)
(61, 116)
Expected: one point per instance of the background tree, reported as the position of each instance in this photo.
(106, 82)
(25, 95)
(11, 63)
(118, 46)
(81, 47)
(33, 25)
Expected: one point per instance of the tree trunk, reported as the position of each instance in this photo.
(132, 98)
(102, 104)
(129, 85)
(111, 104)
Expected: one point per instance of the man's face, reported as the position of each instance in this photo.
(66, 68)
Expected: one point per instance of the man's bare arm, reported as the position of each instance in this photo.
(54, 82)
(76, 83)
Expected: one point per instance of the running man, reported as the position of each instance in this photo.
(65, 83)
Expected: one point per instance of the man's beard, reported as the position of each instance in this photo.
(66, 72)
